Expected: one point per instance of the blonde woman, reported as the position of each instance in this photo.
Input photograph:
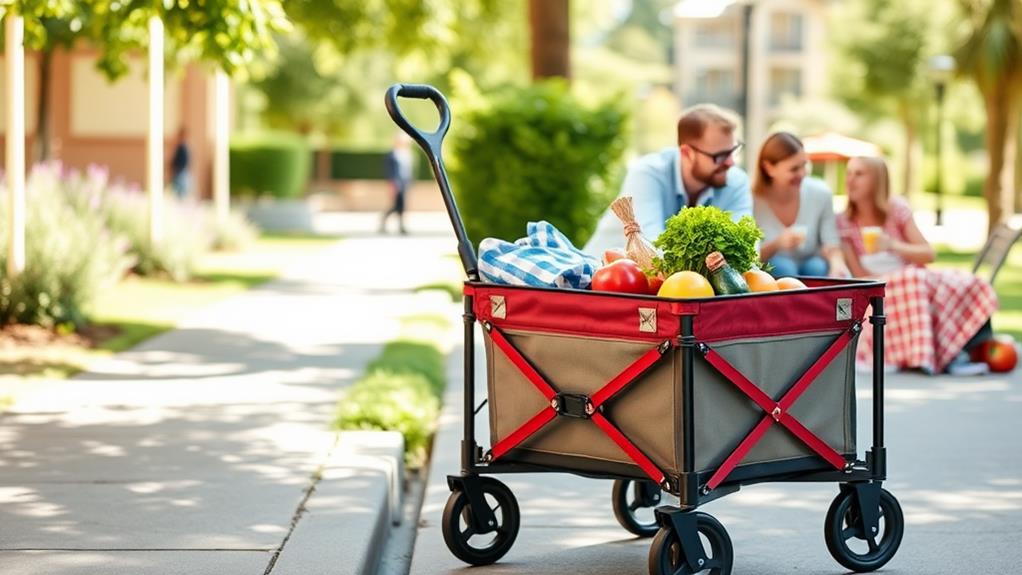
(934, 317)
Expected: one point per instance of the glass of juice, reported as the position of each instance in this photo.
(871, 238)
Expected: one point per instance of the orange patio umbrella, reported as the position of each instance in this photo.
(836, 147)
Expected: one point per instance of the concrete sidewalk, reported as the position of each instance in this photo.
(954, 465)
(208, 449)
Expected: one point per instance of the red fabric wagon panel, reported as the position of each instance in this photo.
(573, 312)
(827, 305)
(783, 312)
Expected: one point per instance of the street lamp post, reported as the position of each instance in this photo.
(746, 66)
(941, 68)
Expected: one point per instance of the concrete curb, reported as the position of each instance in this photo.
(344, 523)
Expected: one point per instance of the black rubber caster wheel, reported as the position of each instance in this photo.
(846, 535)
(634, 501)
(666, 556)
(482, 546)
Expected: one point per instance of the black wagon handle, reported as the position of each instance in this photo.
(431, 142)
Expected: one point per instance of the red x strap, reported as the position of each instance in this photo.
(547, 414)
(777, 411)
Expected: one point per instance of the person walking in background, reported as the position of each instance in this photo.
(934, 317)
(399, 174)
(179, 164)
(699, 171)
(795, 212)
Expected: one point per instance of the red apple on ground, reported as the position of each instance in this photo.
(999, 352)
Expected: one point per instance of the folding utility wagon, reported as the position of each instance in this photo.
(692, 397)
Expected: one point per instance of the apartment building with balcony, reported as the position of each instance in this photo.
(786, 56)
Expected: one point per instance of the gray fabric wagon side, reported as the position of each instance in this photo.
(649, 411)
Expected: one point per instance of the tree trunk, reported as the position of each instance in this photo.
(1018, 167)
(42, 132)
(997, 132)
(551, 38)
(1011, 151)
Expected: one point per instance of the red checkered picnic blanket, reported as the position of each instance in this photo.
(931, 314)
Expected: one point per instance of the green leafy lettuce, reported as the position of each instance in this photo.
(694, 233)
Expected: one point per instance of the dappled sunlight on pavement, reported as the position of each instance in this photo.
(206, 437)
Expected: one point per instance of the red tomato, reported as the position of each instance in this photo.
(623, 275)
(613, 254)
(1000, 353)
(654, 284)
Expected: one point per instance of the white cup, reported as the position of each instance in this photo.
(801, 231)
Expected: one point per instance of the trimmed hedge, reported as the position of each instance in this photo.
(272, 165)
(400, 391)
(403, 402)
(402, 387)
(537, 153)
(371, 165)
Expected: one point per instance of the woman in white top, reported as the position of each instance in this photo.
(796, 213)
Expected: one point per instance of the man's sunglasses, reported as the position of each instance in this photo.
(720, 157)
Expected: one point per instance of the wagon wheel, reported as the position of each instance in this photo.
(474, 546)
(846, 537)
(666, 556)
(634, 501)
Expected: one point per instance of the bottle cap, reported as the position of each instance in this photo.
(715, 261)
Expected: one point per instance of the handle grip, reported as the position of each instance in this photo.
(431, 142)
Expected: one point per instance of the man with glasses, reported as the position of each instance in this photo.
(699, 171)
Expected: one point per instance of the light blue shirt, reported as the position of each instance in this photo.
(654, 183)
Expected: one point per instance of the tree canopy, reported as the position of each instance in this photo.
(231, 34)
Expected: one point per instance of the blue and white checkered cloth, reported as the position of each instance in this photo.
(544, 258)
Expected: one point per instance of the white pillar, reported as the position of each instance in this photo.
(221, 145)
(759, 84)
(15, 93)
(154, 143)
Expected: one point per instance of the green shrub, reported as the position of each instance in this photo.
(69, 256)
(974, 184)
(536, 153)
(452, 289)
(274, 165)
(412, 357)
(396, 401)
(184, 236)
(234, 233)
(401, 390)
(125, 212)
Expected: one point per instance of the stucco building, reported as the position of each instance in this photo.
(95, 121)
(786, 56)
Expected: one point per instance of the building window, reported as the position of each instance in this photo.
(716, 86)
(786, 32)
(716, 33)
(784, 82)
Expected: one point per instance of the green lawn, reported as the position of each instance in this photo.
(1008, 285)
(138, 308)
(928, 201)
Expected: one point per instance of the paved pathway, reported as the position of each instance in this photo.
(192, 452)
